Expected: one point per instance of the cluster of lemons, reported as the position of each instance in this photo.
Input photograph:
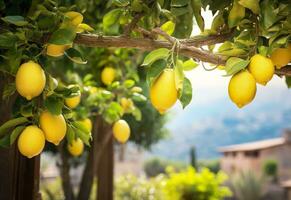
(30, 82)
(75, 20)
(121, 129)
(242, 86)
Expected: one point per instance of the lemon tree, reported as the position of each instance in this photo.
(63, 67)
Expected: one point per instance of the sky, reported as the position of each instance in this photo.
(211, 120)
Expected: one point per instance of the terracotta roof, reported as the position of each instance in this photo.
(251, 146)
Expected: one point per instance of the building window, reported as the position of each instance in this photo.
(233, 154)
(253, 154)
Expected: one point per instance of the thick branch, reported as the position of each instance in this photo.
(285, 71)
(146, 45)
(188, 47)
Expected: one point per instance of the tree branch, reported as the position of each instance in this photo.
(188, 47)
(146, 45)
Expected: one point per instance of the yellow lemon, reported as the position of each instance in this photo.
(87, 123)
(73, 102)
(126, 103)
(242, 88)
(281, 57)
(262, 69)
(75, 17)
(76, 148)
(121, 131)
(108, 75)
(53, 126)
(56, 50)
(31, 141)
(30, 80)
(163, 92)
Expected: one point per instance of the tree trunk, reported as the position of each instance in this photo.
(105, 165)
(89, 170)
(65, 174)
(19, 176)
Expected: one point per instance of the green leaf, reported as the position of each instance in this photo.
(179, 11)
(129, 83)
(196, 6)
(63, 36)
(236, 14)
(155, 55)
(110, 20)
(70, 135)
(9, 90)
(168, 27)
(189, 65)
(253, 5)
(5, 141)
(217, 22)
(75, 56)
(233, 52)
(7, 40)
(53, 83)
(54, 104)
(11, 123)
(137, 114)
(179, 3)
(234, 65)
(121, 3)
(15, 133)
(155, 70)
(138, 97)
(288, 81)
(82, 132)
(179, 76)
(16, 20)
(26, 110)
(186, 96)
(268, 12)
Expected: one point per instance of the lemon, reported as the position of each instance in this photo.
(242, 88)
(261, 68)
(107, 75)
(126, 104)
(53, 126)
(75, 17)
(73, 102)
(56, 50)
(163, 92)
(87, 123)
(31, 141)
(121, 131)
(30, 80)
(76, 148)
(281, 57)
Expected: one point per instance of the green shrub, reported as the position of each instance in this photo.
(156, 166)
(212, 165)
(270, 168)
(130, 187)
(248, 186)
(184, 185)
(191, 185)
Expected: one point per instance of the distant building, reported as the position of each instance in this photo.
(251, 156)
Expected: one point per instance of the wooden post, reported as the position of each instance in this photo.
(105, 166)
(19, 176)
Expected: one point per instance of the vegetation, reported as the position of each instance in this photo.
(270, 169)
(212, 165)
(183, 185)
(247, 185)
(155, 166)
